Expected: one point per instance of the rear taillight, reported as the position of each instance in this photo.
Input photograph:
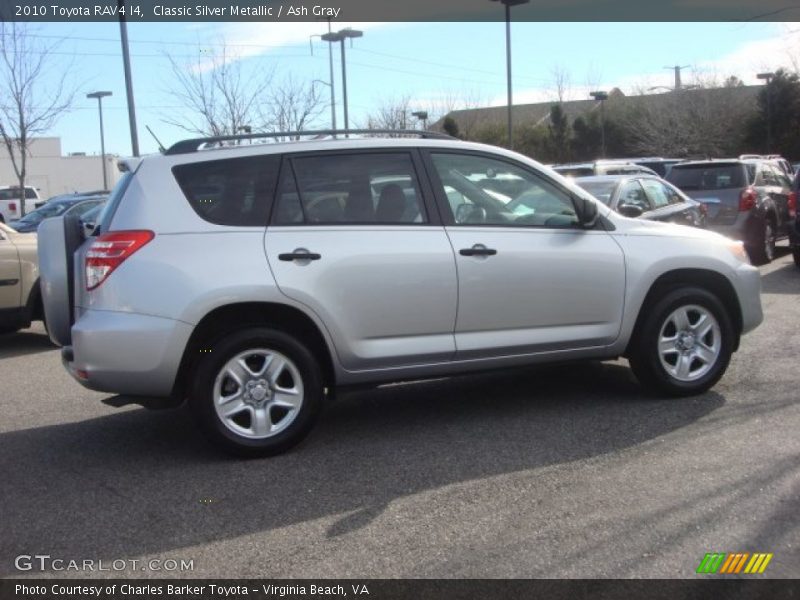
(747, 200)
(792, 204)
(109, 251)
(12, 206)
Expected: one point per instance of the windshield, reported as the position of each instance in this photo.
(45, 212)
(707, 177)
(602, 190)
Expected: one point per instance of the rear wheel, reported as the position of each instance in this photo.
(257, 392)
(796, 255)
(764, 251)
(684, 344)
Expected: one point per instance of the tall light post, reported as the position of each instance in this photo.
(126, 65)
(768, 78)
(601, 97)
(422, 115)
(508, 4)
(330, 85)
(100, 96)
(341, 36)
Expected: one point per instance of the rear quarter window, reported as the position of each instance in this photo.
(233, 191)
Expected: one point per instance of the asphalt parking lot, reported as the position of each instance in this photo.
(565, 471)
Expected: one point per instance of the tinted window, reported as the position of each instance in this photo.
(234, 191)
(482, 190)
(660, 195)
(707, 177)
(350, 188)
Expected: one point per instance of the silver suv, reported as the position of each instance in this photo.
(254, 280)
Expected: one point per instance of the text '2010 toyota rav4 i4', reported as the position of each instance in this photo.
(253, 279)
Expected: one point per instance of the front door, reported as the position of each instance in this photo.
(530, 279)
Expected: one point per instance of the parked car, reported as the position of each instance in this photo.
(776, 159)
(11, 202)
(73, 205)
(794, 226)
(20, 300)
(645, 196)
(747, 200)
(255, 280)
(602, 167)
(660, 165)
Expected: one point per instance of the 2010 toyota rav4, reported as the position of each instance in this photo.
(253, 280)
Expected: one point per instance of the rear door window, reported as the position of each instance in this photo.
(358, 189)
(234, 191)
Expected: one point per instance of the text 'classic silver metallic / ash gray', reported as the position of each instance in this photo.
(253, 280)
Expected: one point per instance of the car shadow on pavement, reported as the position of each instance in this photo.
(24, 342)
(137, 482)
(784, 280)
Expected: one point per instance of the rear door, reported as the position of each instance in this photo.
(774, 183)
(354, 237)
(668, 204)
(529, 280)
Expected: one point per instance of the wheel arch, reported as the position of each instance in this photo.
(223, 319)
(709, 280)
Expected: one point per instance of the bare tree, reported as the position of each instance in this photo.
(292, 106)
(391, 113)
(32, 98)
(219, 97)
(561, 82)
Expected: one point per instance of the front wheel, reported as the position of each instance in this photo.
(257, 392)
(684, 344)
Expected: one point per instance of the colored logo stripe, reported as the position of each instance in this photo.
(734, 562)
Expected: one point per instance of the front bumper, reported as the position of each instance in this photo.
(748, 289)
(126, 353)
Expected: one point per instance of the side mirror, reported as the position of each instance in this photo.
(587, 212)
(630, 210)
(470, 213)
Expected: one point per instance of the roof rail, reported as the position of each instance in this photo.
(195, 144)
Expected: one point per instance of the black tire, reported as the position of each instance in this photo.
(211, 363)
(763, 252)
(8, 330)
(644, 357)
(796, 255)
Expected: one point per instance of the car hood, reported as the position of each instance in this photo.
(663, 229)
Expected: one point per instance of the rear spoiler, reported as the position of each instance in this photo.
(129, 165)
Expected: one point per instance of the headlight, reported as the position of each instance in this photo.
(737, 249)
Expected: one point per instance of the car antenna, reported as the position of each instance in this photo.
(160, 145)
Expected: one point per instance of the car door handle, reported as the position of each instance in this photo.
(299, 255)
(477, 250)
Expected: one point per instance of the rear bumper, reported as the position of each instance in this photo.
(126, 353)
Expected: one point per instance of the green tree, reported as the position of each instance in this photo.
(783, 95)
(450, 126)
(558, 134)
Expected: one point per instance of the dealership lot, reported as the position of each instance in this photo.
(565, 471)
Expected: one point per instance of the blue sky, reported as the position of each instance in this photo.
(427, 62)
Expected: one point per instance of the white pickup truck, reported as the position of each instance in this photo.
(11, 202)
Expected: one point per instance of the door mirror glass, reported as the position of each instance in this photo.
(630, 210)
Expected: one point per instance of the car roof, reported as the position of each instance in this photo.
(611, 178)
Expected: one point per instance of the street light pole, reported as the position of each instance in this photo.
(508, 4)
(100, 96)
(601, 97)
(768, 78)
(341, 36)
(126, 63)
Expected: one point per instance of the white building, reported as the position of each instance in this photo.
(54, 174)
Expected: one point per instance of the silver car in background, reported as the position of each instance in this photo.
(254, 280)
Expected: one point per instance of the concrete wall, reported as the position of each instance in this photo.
(55, 174)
